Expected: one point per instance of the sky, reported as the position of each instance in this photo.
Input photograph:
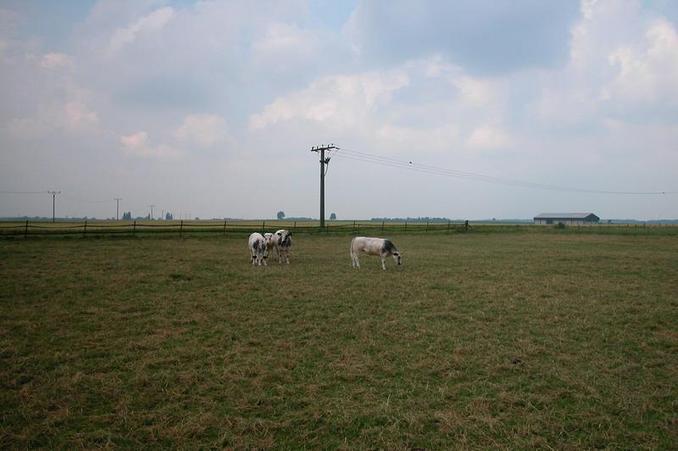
(471, 109)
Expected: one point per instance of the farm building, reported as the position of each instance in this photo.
(566, 218)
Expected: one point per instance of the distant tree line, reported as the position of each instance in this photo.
(410, 219)
(127, 216)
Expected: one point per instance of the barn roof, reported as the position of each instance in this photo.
(565, 216)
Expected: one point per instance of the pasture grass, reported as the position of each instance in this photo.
(194, 228)
(479, 341)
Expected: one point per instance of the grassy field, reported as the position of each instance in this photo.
(479, 341)
(186, 228)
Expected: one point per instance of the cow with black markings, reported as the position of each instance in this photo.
(258, 250)
(374, 246)
(281, 241)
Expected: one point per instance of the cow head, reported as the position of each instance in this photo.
(284, 239)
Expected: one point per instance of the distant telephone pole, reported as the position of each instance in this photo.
(323, 161)
(54, 193)
(117, 208)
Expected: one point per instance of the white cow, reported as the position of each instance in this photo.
(281, 241)
(257, 245)
(374, 246)
(268, 236)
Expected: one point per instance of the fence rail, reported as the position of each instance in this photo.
(181, 228)
(42, 228)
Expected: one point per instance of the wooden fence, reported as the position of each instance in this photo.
(29, 228)
(180, 228)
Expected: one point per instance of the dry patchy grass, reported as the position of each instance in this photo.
(479, 341)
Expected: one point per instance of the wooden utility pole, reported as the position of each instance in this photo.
(53, 193)
(323, 162)
(117, 208)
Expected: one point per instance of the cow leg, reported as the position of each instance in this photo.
(383, 263)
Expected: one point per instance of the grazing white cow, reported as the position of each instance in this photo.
(374, 246)
(257, 245)
(281, 241)
(268, 236)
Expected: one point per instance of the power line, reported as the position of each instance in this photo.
(65, 196)
(453, 173)
(89, 201)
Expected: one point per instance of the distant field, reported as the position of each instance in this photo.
(239, 227)
(481, 340)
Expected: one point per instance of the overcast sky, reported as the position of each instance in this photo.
(210, 108)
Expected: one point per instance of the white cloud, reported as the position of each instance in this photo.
(27, 128)
(422, 104)
(340, 101)
(133, 75)
(623, 63)
(476, 92)
(137, 145)
(72, 117)
(408, 138)
(78, 116)
(152, 22)
(8, 20)
(488, 137)
(473, 91)
(286, 40)
(203, 130)
(55, 60)
(648, 72)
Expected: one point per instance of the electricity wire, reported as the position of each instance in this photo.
(410, 165)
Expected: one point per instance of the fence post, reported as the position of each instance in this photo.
(134, 227)
(224, 227)
(84, 229)
(26, 229)
(406, 224)
(263, 226)
(181, 229)
(295, 226)
(354, 230)
(426, 225)
(448, 226)
(382, 226)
